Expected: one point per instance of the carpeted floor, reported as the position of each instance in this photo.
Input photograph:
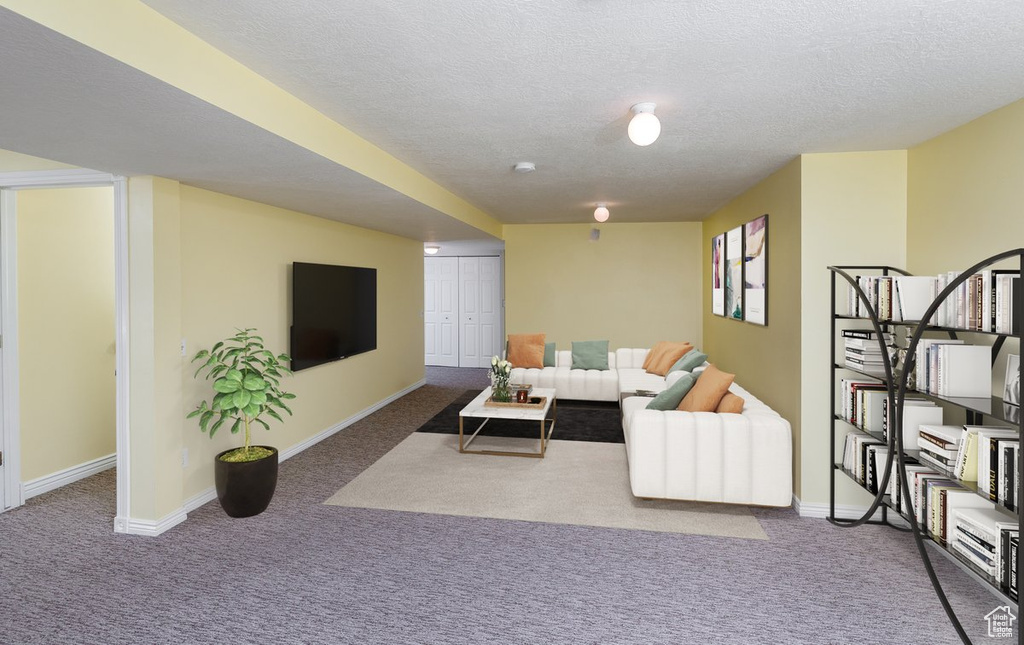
(328, 574)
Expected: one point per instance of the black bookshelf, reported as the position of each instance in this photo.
(899, 456)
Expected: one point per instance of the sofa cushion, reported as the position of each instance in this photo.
(689, 361)
(671, 353)
(549, 354)
(590, 355)
(730, 404)
(670, 398)
(526, 350)
(707, 392)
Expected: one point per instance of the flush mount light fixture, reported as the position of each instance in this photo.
(525, 167)
(431, 249)
(644, 127)
(601, 212)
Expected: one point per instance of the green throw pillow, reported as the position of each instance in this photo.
(673, 395)
(549, 354)
(690, 360)
(590, 355)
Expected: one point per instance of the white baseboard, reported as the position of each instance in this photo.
(820, 511)
(341, 425)
(151, 528)
(210, 494)
(67, 476)
(204, 497)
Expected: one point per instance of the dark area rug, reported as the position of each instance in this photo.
(577, 421)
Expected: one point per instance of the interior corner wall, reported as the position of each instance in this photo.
(236, 258)
(636, 285)
(65, 257)
(765, 359)
(853, 212)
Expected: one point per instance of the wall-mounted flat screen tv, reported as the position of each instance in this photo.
(334, 313)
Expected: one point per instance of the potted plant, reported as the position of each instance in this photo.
(246, 386)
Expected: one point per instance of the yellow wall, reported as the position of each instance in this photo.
(765, 360)
(17, 162)
(638, 284)
(66, 327)
(966, 193)
(853, 212)
(965, 197)
(235, 272)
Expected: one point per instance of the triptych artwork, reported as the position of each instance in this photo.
(739, 272)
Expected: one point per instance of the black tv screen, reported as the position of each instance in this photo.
(334, 313)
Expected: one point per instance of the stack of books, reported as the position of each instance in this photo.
(940, 446)
(865, 355)
(982, 536)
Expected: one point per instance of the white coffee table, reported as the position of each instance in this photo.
(477, 410)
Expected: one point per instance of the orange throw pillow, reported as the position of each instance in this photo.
(730, 403)
(526, 350)
(707, 392)
(658, 348)
(672, 353)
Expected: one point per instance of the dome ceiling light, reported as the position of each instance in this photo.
(644, 128)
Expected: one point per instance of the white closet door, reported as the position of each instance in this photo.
(440, 311)
(490, 309)
(469, 314)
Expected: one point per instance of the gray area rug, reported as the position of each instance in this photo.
(332, 574)
(577, 482)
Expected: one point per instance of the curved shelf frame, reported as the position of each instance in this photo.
(896, 396)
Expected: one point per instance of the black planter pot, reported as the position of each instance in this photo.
(245, 488)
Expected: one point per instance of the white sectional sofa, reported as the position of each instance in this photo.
(741, 458)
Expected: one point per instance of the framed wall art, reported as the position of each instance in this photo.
(755, 271)
(734, 273)
(718, 275)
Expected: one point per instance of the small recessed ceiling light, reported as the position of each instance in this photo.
(431, 249)
(644, 128)
(601, 212)
(525, 166)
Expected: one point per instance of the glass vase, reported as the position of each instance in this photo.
(500, 391)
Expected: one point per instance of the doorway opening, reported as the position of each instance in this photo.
(34, 321)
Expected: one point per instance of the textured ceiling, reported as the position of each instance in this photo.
(66, 102)
(462, 89)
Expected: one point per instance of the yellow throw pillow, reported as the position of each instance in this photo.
(526, 350)
(671, 353)
(731, 404)
(708, 391)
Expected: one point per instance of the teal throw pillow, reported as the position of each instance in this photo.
(549, 354)
(590, 355)
(690, 360)
(670, 398)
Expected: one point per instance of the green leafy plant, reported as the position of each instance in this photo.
(247, 385)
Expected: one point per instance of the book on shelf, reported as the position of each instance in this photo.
(935, 513)
(895, 488)
(1007, 478)
(914, 294)
(977, 535)
(966, 467)
(1008, 299)
(915, 413)
(963, 370)
(923, 365)
(988, 441)
(925, 481)
(955, 499)
(1010, 546)
(865, 334)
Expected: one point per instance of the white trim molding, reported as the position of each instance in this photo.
(10, 397)
(122, 346)
(67, 476)
(153, 528)
(341, 425)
